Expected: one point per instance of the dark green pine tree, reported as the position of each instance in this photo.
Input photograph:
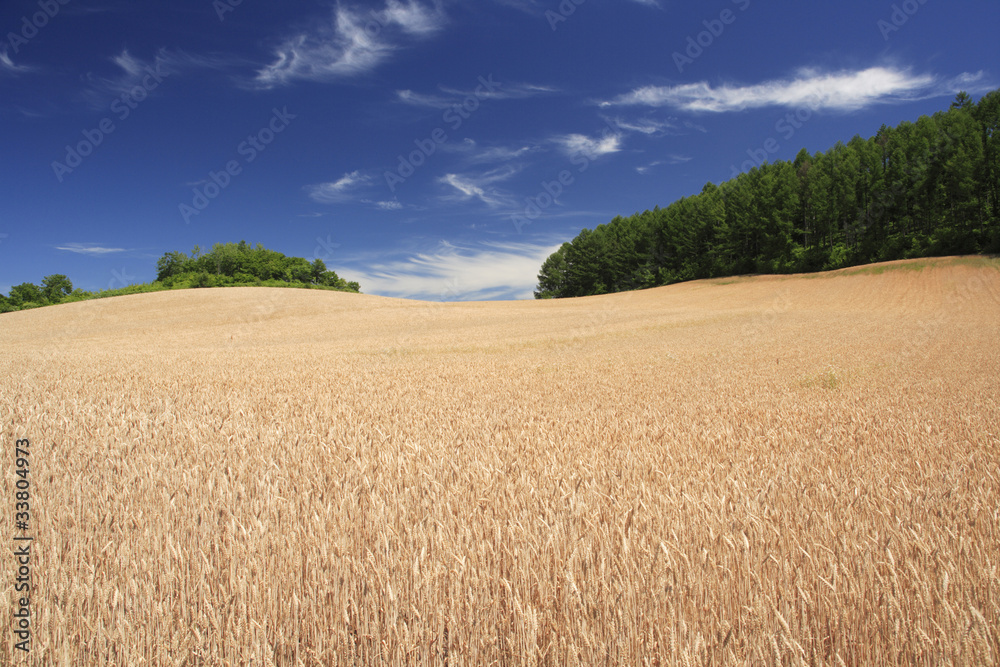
(988, 115)
(552, 276)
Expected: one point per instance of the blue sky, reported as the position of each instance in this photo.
(434, 150)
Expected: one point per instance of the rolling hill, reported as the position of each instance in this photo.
(747, 470)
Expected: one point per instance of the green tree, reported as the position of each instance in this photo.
(171, 264)
(988, 114)
(962, 101)
(552, 276)
(779, 206)
(56, 287)
(298, 270)
(583, 264)
(26, 294)
(926, 187)
(318, 270)
(959, 196)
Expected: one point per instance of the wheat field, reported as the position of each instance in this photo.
(797, 470)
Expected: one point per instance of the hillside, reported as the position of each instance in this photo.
(922, 189)
(720, 470)
(238, 318)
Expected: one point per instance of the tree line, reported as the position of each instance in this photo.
(928, 188)
(226, 265)
(242, 264)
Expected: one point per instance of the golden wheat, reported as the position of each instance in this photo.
(798, 470)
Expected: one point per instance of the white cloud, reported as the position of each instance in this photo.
(970, 82)
(466, 186)
(476, 155)
(647, 126)
(390, 205)
(670, 159)
(89, 249)
(843, 90)
(7, 65)
(501, 91)
(131, 65)
(412, 17)
(354, 42)
(339, 190)
(132, 73)
(502, 153)
(455, 96)
(451, 273)
(479, 186)
(573, 144)
(422, 100)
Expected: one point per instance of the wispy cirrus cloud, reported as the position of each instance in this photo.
(7, 65)
(451, 272)
(844, 91)
(424, 100)
(502, 91)
(481, 186)
(351, 187)
(673, 158)
(355, 41)
(644, 169)
(90, 249)
(131, 73)
(473, 153)
(647, 126)
(502, 153)
(575, 144)
(456, 96)
(387, 205)
(341, 190)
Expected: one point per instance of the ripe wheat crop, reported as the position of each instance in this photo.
(758, 471)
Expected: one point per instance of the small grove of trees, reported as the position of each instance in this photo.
(56, 288)
(229, 264)
(920, 189)
(242, 264)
